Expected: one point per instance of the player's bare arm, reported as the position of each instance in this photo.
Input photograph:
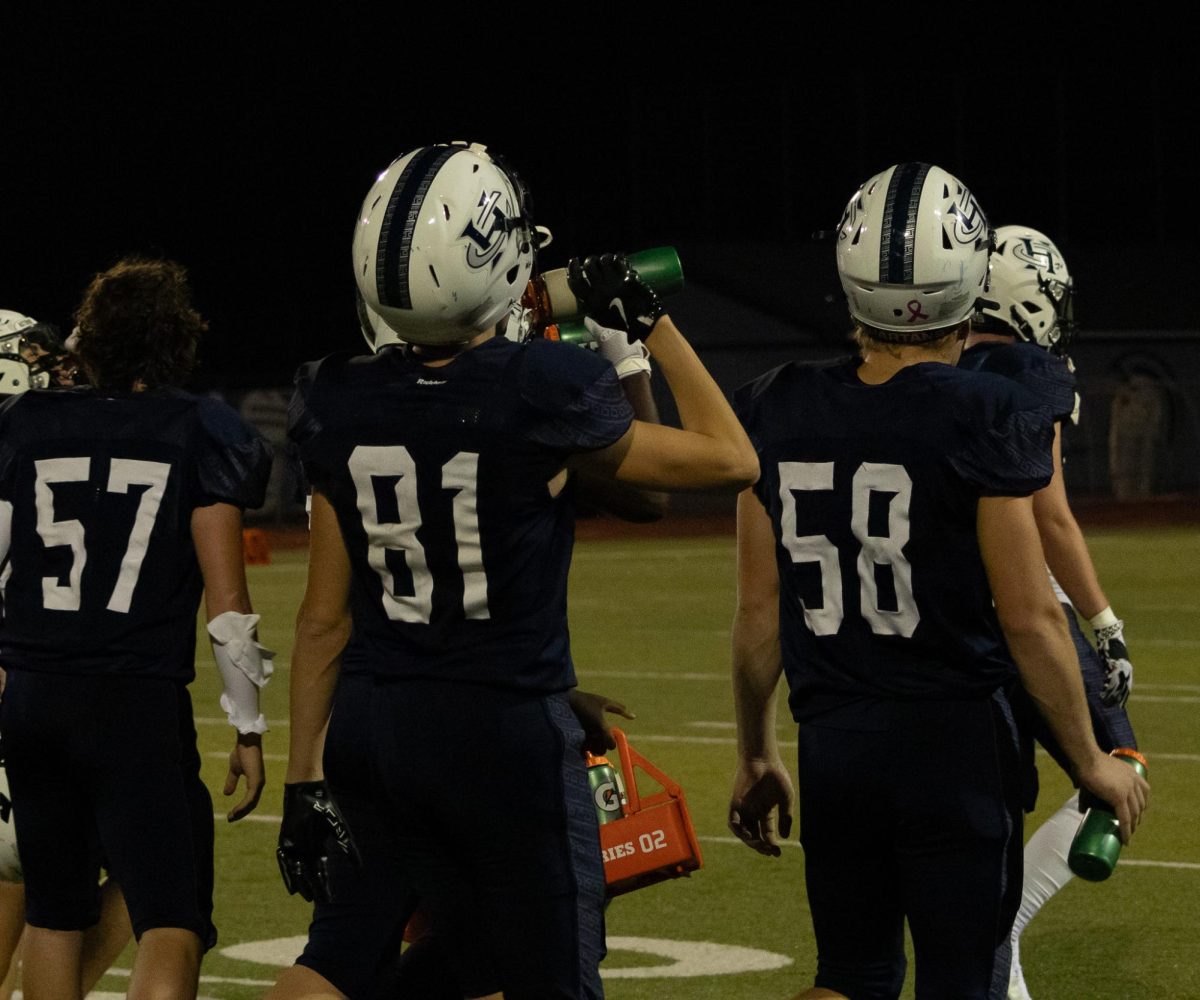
(712, 450)
(322, 630)
(1069, 560)
(217, 535)
(1066, 551)
(632, 365)
(761, 805)
(1038, 640)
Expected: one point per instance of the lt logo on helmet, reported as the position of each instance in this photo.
(487, 231)
(969, 220)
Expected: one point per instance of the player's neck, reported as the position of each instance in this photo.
(977, 337)
(879, 365)
(438, 357)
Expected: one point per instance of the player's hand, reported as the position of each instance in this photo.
(614, 346)
(1118, 784)
(245, 761)
(590, 710)
(1118, 676)
(312, 828)
(761, 806)
(611, 293)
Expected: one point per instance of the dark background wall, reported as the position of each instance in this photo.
(242, 142)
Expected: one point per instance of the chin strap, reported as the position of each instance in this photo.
(245, 668)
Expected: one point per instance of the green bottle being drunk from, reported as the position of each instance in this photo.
(1097, 844)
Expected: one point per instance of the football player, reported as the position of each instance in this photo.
(23, 343)
(442, 527)
(1021, 332)
(118, 505)
(894, 506)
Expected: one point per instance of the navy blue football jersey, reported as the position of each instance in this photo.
(103, 571)
(438, 476)
(872, 492)
(1046, 375)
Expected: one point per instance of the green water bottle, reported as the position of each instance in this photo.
(1097, 844)
(556, 311)
(608, 794)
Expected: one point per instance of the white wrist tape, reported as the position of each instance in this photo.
(245, 667)
(1104, 619)
(634, 364)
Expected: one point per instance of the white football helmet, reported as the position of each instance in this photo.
(912, 252)
(16, 376)
(1030, 293)
(443, 246)
(11, 325)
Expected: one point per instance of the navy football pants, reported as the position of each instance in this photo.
(919, 818)
(104, 770)
(475, 801)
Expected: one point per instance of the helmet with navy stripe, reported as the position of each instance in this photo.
(912, 252)
(443, 246)
(1030, 292)
(16, 376)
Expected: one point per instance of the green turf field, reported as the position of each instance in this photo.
(650, 624)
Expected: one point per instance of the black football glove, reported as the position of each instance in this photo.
(612, 294)
(1118, 671)
(312, 828)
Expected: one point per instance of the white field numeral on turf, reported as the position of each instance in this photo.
(123, 473)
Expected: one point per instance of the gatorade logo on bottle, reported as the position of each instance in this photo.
(607, 797)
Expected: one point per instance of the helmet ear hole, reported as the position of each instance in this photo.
(946, 245)
(513, 273)
(433, 275)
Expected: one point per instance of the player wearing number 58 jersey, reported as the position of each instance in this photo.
(893, 507)
(119, 504)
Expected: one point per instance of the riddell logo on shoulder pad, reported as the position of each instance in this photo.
(430, 381)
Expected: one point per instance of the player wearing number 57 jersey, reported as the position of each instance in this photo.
(118, 505)
(892, 508)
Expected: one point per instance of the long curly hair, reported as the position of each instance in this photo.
(137, 327)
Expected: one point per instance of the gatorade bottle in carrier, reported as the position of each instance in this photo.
(607, 791)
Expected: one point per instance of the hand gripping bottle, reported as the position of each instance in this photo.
(556, 312)
(607, 792)
(1097, 844)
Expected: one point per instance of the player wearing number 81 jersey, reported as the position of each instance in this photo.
(442, 527)
(869, 554)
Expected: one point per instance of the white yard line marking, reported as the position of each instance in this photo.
(713, 725)
(231, 980)
(252, 818)
(279, 758)
(654, 675)
(1168, 687)
(1131, 862)
(647, 554)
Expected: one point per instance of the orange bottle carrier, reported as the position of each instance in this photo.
(654, 839)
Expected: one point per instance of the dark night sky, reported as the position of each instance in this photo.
(242, 146)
